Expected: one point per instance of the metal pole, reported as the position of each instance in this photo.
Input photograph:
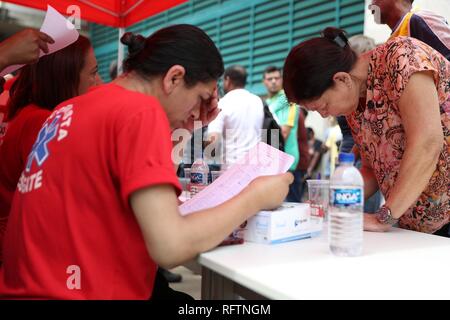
(120, 53)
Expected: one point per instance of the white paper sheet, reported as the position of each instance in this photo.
(57, 27)
(262, 160)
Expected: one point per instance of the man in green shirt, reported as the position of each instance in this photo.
(286, 116)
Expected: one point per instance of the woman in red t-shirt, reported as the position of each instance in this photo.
(96, 208)
(38, 89)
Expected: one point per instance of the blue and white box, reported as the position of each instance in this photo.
(289, 222)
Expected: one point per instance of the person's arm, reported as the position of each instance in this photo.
(215, 131)
(172, 239)
(23, 47)
(290, 121)
(209, 110)
(213, 140)
(214, 136)
(370, 181)
(312, 163)
(419, 109)
(319, 150)
(285, 132)
(208, 113)
(370, 187)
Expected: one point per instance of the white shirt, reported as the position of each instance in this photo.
(239, 123)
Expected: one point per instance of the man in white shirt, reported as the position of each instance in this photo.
(238, 126)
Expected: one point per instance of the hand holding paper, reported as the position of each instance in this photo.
(60, 29)
(271, 190)
(23, 47)
(29, 45)
(262, 160)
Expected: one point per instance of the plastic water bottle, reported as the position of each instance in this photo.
(199, 176)
(346, 208)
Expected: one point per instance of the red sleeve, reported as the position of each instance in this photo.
(143, 152)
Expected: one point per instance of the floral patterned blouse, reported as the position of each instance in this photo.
(378, 131)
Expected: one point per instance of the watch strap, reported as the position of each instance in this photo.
(384, 215)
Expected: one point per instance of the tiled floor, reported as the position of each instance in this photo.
(191, 283)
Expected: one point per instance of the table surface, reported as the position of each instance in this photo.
(399, 264)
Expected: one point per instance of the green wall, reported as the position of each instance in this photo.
(253, 33)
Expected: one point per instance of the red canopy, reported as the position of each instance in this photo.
(114, 13)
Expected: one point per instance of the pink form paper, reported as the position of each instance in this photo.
(262, 160)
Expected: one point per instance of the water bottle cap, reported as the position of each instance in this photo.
(346, 157)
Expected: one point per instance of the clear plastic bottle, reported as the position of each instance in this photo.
(199, 176)
(345, 229)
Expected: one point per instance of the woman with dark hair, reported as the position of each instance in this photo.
(396, 99)
(38, 89)
(105, 208)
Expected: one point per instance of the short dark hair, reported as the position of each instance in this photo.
(52, 80)
(237, 75)
(271, 69)
(182, 44)
(311, 65)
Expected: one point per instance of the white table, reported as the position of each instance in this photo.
(399, 264)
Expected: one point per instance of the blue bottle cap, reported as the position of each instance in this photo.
(346, 157)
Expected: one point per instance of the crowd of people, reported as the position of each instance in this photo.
(88, 189)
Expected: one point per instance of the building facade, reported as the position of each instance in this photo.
(253, 33)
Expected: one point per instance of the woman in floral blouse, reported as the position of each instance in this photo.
(396, 99)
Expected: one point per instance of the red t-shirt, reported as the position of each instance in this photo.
(71, 232)
(16, 144)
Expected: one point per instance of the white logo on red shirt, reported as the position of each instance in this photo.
(56, 126)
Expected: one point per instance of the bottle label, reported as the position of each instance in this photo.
(197, 178)
(346, 197)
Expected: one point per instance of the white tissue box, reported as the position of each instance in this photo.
(289, 222)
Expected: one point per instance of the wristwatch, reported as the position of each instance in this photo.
(384, 216)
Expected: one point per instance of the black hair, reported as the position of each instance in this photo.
(271, 69)
(310, 66)
(182, 44)
(237, 75)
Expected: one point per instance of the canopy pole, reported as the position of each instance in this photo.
(120, 53)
